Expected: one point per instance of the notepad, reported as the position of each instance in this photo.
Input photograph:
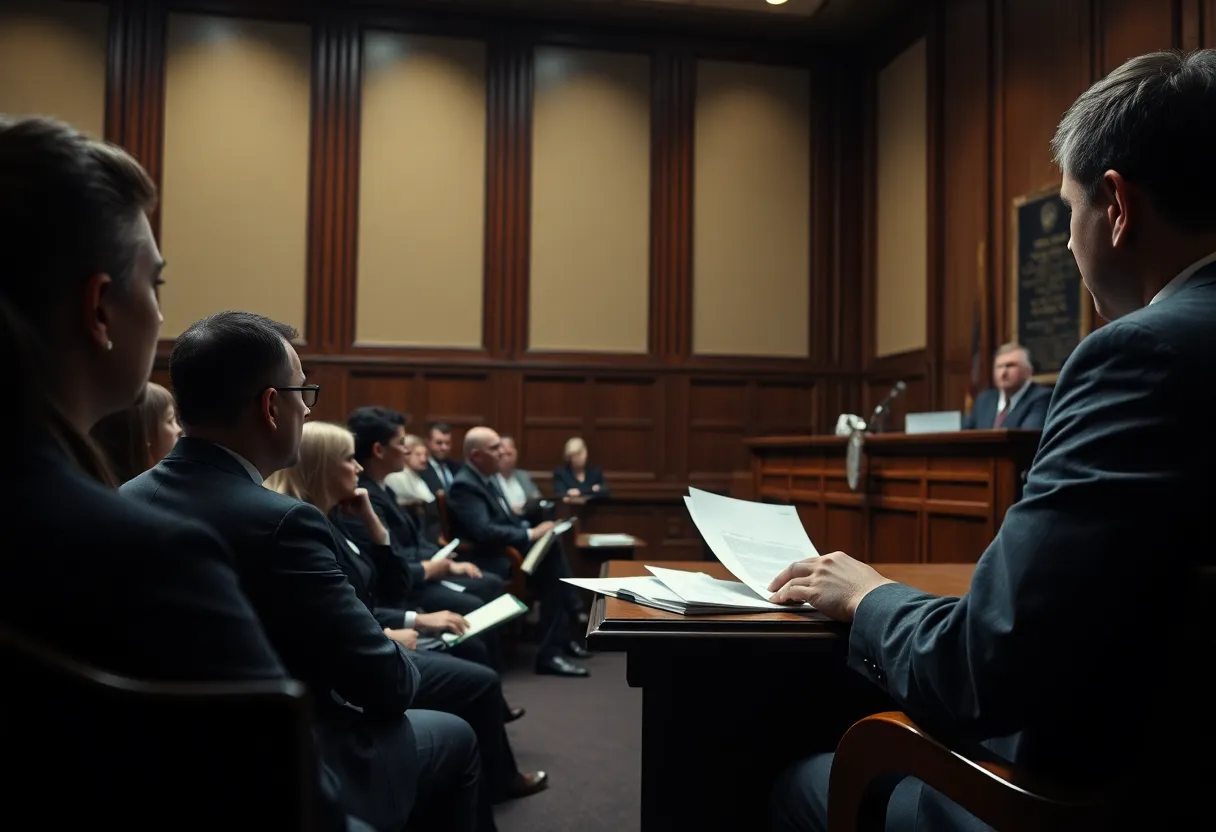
(610, 540)
(499, 611)
(446, 551)
(541, 547)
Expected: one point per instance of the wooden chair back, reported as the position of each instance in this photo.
(152, 754)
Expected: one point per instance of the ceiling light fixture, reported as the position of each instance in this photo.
(775, 2)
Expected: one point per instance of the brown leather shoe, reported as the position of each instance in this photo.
(527, 784)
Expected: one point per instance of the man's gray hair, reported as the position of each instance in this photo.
(1154, 121)
(1014, 346)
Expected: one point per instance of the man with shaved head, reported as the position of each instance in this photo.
(481, 515)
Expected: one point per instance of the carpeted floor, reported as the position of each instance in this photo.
(587, 733)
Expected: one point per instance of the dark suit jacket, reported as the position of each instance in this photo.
(1030, 413)
(128, 589)
(478, 517)
(286, 556)
(406, 540)
(1079, 640)
(431, 478)
(366, 570)
(564, 480)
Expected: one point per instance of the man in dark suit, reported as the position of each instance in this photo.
(481, 516)
(441, 469)
(1039, 659)
(121, 587)
(242, 400)
(1014, 401)
(380, 448)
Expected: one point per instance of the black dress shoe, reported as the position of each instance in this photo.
(560, 666)
(514, 714)
(576, 650)
(525, 785)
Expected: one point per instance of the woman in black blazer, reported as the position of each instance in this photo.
(575, 479)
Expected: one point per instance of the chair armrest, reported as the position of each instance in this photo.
(880, 750)
(517, 560)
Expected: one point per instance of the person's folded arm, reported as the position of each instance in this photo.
(1041, 618)
(346, 646)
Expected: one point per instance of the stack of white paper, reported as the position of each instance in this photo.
(755, 541)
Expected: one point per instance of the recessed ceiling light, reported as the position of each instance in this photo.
(775, 2)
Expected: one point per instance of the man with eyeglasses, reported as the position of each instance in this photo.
(242, 399)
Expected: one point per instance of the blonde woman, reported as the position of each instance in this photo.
(576, 479)
(463, 683)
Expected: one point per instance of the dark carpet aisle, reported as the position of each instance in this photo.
(587, 733)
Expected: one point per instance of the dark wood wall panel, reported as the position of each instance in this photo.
(656, 422)
(1002, 73)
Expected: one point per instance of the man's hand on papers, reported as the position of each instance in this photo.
(834, 584)
(537, 532)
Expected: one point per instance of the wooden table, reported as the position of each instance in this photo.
(730, 700)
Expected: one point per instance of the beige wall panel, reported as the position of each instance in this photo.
(421, 192)
(901, 233)
(234, 217)
(590, 252)
(53, 61)
(751, 210)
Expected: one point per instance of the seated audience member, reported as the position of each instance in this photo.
(135, 591)
(517, 486)
(575, 479)
(1014, 401)
(441, 469)
(137, 438)
(407, 484)
(380, 449)
(242, 400)
(1039, 659)
(480, 516)
(326, 476)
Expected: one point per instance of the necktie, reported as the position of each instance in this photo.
(502, 501)
(1000, 417)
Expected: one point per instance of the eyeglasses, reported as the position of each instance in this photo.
(308, 393)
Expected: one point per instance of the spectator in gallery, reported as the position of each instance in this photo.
(576, 479)
(135, 439)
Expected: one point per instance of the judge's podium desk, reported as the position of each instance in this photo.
(921, 498)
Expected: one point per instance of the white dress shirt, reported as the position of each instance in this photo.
(1186, 274)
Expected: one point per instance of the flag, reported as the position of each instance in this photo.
(976, 383)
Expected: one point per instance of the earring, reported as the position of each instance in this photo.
(109, 345)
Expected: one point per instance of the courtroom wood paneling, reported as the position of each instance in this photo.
(1008, 69)
(656, 421)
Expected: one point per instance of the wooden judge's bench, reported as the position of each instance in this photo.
(922, 498)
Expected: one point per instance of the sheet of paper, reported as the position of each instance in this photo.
(638, 585)
(610, 540)
(536, 553)
(446, 551)
(563, 527)
(453, 586)
(755, 541)
(499, 611)
(700, 588)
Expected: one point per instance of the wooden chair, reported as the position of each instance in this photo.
(876, 752)
(103, 747)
